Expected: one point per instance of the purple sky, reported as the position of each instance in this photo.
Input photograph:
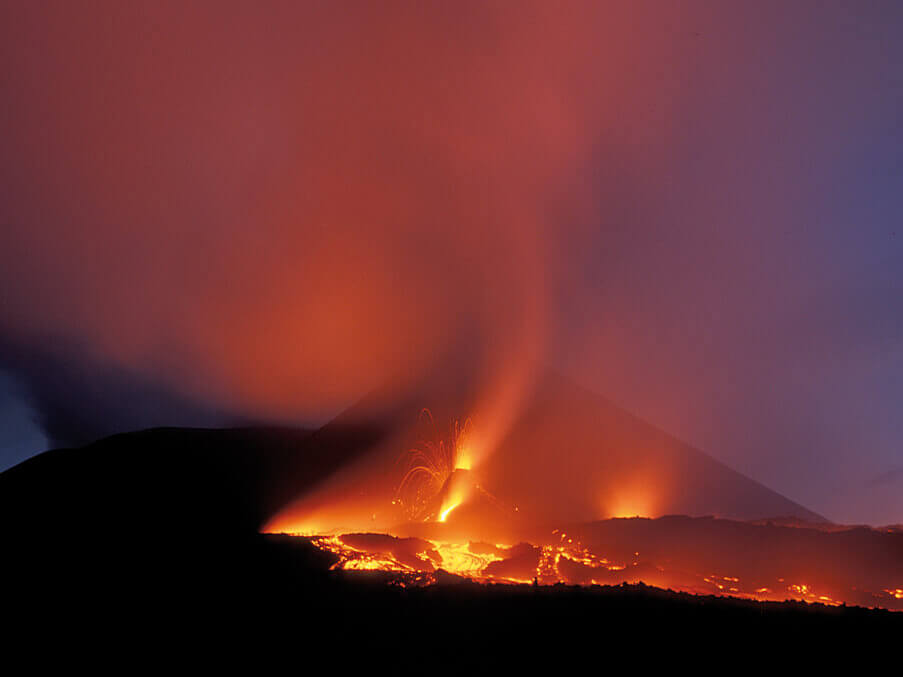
(217, 210)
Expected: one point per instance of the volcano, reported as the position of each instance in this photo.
(166, 518)
(570, 456)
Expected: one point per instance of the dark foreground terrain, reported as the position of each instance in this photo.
(147, 545)
(276, 595)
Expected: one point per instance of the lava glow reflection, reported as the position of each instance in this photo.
(635, 498)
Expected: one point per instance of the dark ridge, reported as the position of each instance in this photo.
(276, 597)
(174, 479)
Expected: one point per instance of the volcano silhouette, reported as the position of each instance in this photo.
(570, 456)
(573, 456)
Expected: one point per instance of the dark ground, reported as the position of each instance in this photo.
(104, 554)
(275, 596)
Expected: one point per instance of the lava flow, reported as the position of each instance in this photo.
(446, 520)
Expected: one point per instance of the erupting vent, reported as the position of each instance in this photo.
(431, 467)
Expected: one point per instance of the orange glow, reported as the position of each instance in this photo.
(438, 518)
(634, 502)
(629, 509)
(635, 491)
(561, 559)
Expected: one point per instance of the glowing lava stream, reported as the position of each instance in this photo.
(444, 514)
(418, 562)
(558, 558)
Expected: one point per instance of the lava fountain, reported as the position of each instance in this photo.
(431, 472)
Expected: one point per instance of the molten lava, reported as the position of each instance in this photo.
(416, 561)
(448, 521)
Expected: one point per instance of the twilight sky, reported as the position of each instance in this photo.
(231, 211)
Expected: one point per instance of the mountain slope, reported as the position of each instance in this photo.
(573, 455)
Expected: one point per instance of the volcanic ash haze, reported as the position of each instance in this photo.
(305, 202)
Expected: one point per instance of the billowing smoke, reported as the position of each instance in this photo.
(277, 211)
(274, 210)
